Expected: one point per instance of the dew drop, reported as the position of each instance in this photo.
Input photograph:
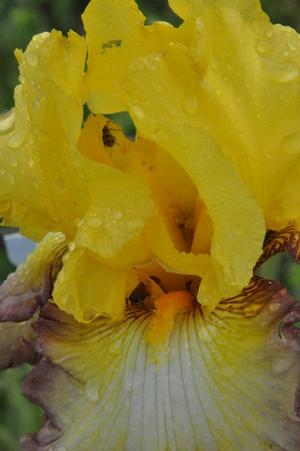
(292, 46)
(286, 74)
(118, 215)
(262, 47)
(149, 123)
(291, 144)
(137, 111)
(191, 104)
(92, 391)
(204, 334)
(7, 121)
(157, 86)
(14, 163)
(72, 246)
(32, 58)
(115, 347)
(268, 155)
(269, 33)
(281, 364)
(95, 222)
(16, 140)
(62, 275)
(30, 163)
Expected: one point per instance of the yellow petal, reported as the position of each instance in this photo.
(173, 191)
(120, 205)
(87, 288)
(250, 98)
(184, 8)
(92, 142)
(62, 186)
(34, 157)
(218, 184)
(115, 35)
(165, 252)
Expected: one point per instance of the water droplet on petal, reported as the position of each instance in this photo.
(157, 86)
(286, 73)
(31, 58)
(291, 144)
(204, 334)
(269, 33)
(30, 163)
(115, 347)
(61, 448)
(16, 140)
(118, 215)
(14, 163)
(149, 122)
(92, 391)
(282, 364)
(137, 111)
(262, 47)
(292, 46)
(95, 222)
(7, 121)
(191, 104)
(72, 246)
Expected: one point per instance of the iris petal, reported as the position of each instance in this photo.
(227, 383)
(192, 147)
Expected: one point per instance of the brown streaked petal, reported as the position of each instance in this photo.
(285, 240)
(38, 386)
(289, 327)
(14, 344)
(22, 294)
(230, 380)
(31, 284)
(252, 300)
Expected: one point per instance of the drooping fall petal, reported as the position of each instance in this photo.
(21, 296)
(229, 381)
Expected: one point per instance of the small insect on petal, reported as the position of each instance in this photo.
(109, 140)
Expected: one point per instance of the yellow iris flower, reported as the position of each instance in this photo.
(141, 296)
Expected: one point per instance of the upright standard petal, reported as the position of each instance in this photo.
(169, 122)
(116, 34)
(250, 98)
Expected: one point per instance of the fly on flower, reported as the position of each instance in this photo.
(141, 302)
(109, 140)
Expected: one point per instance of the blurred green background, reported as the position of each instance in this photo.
(19, 20)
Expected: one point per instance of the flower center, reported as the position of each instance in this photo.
(165, 295)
